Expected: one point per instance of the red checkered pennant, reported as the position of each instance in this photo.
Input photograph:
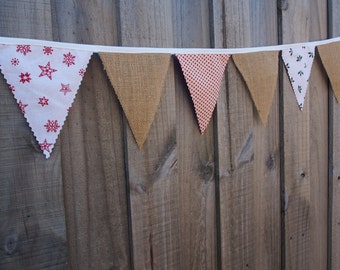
(203, 74)
(44, 81)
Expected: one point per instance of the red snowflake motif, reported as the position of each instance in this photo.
(15, 61)
(47, 50)
(11, 87)
(52, 126)
(69, 59)
(82, 72)
(22, 106)
(43, 101)
(47, 70)
(45, 146)
(25, 77)
(24, 49)
(65, 88)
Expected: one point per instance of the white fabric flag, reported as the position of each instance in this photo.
(44, 81)
(298, 62)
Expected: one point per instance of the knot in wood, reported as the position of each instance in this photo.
(141, 188)
(11, 244)
(270, 162)
(207, 172)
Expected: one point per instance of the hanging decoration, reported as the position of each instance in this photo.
(138, 81)
(44, 77)
(298, 62)
(329, 54)
(260, 71)
(203, 74)
(44, 81)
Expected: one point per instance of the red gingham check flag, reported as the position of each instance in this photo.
(203, 74)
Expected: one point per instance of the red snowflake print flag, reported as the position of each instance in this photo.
(44, 81)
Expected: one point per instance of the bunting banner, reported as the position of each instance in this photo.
(44, 81)
(260, 72)
(44, 77)
(203, 74)
(138, 81)
(298, 62)
(330, 58)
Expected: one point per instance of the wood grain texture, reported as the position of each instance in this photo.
(334, 241)
(196, 156)
(153, 175)
(92, 149)
(305, 146)
(32, 225)
(249, 160)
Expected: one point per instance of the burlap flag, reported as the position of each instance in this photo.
(138, 81)
(203, 74)
(330, 57)
(44, 80)
(260, 72)
(298, 62)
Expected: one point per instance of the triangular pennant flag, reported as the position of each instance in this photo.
(330, 57)
(260, 72)
(138, 81)
(203, 74)
(44, 81)
(298, 62)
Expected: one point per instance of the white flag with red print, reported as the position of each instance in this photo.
(203, 74)
(44, 81)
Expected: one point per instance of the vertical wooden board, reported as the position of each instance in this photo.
(249, 158)
(92, 147)
(196, 154)
(334, 30)
(32, 225)
(153, 177)
(305, 146)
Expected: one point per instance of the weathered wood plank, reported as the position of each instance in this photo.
(92, 148)
(153, 176)
(305, 146)
(32, 225)
(171, 210)
(334, 31)
(196, 154)
(249, 159)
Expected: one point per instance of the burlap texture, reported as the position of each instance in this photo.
(138, 81)
(330, 57)
(260, 72)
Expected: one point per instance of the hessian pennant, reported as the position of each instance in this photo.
(138, 81)
(329, 54)
(298, 62)
(260, 71)
(203, 74)
(44, 81)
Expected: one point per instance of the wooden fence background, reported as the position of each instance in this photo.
(242, 196)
